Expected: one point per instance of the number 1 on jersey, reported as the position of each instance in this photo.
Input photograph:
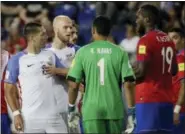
(101, 65)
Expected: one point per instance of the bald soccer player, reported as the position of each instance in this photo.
(62, 26)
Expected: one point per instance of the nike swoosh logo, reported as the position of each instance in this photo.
(30, 65)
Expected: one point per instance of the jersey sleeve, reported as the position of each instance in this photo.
(76, 69)
(126, 68)
(58, 63)
(12, 71)
(142, 52)
(181, 67)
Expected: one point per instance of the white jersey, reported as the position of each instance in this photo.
(65, 56)
(38, 99)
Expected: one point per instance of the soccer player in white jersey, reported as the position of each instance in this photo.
(38, 113)
(65, 51)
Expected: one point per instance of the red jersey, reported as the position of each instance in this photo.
(4, 61)
(12, 47)
(158, 50)
(180, 75)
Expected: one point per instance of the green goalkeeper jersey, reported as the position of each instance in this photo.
(103, 66)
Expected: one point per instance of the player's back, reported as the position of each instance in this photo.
(159, 51)
(102, 64)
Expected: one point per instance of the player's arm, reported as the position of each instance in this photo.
(129, 81)
(129, 87)
(11, 78)
(74, 78)
(181, 77)
(11, 92)
(142, 59)
(181, 97)
(57, 69)
(12, 96)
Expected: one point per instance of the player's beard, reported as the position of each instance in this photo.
(141, 30)
(62, 38)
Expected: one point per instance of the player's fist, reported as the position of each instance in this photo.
(131, 121)
(50, 70)
(73, 118)
(176, 118)
(18, 122)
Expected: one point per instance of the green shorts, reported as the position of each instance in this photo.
(103, 126)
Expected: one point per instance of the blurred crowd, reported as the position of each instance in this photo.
(15, 14)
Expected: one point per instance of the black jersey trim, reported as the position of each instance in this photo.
(129, 79)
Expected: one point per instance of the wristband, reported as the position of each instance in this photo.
(177, 109)
(71, 107)
(131, 111)
(15, 113)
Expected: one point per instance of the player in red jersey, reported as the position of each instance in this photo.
(5, 121)
(178, 37)
(155, 60)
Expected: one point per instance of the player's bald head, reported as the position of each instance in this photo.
(59, 20)
(62, 26)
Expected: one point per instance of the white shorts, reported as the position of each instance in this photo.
(45, 126)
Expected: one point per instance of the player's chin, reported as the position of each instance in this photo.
(74, 41)
(67, 39)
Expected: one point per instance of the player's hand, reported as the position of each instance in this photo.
(73, 118)
(18, 122)
(50, 69)
(131, 122)
(176, 118)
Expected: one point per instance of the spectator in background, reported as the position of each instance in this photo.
(15, 42)
(9, 10)
(174, 21)
(183, 16)
(74, 34)
(130, 42)
(34, 11)
(47, 24)
(107, 9)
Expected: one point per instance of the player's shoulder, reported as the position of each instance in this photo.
(47, 51)
(18, 55)
(76, 47)
(84, 48)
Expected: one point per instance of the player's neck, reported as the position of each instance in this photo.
(148, 29)
(98, 38)
(32, 49)
(58, 44)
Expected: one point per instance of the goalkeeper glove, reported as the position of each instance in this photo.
(131, 123)
(73, 117)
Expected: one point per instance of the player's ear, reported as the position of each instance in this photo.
(93, 30)
(31, 37)
(147, 20)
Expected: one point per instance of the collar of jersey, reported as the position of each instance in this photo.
(30, 54)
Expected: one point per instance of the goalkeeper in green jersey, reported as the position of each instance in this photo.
(104, 67)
